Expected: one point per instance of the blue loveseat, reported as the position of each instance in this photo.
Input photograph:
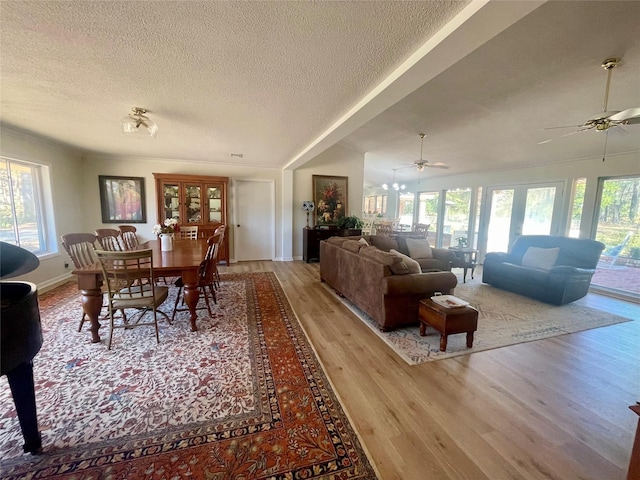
(555, 270)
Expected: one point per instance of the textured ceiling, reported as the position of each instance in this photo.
(258, 78)
(281, 81)
(491, 109)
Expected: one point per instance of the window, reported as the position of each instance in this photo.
(428, 206)
(375, 204)
(22, 211)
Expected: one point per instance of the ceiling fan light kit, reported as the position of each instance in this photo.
(138, 123)
(395, 185)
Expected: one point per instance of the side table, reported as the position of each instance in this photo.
(465, 258)
(447, 321)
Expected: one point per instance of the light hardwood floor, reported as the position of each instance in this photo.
(549, 409)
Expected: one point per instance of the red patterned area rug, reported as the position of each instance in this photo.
(243, 397)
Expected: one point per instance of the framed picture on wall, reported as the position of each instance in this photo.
(330, 194)
(122, 199)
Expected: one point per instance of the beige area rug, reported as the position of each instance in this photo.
(504, 318)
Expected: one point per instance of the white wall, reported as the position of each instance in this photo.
(144, 167)
(339, 161)
(67, 182)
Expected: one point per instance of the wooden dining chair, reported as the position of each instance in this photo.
(81, 249)
(130, 285)
(188, 232)
(206, 277)
(421, 229)
(383, 228)
(129, 236)
(109, 239)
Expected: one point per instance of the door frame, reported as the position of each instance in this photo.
(518, 211)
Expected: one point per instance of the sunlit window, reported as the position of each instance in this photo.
(22, 212)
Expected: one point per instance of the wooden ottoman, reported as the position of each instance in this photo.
(448, 321)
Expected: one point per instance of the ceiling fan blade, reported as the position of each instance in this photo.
(628, 114)
(566, 134)
(438, 165)
(564, 126)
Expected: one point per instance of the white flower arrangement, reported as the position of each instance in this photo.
(170, 225)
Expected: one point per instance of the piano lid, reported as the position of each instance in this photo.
(16, 261)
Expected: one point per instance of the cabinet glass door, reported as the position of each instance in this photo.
(171, 201)
(214, 204)
(193, 204)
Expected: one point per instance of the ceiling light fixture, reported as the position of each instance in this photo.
(138, 122)
(394, 185)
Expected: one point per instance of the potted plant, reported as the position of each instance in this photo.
(350, 226)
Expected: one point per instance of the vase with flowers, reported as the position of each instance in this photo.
(165, 232)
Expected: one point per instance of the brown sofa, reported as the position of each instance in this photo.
(377, 281)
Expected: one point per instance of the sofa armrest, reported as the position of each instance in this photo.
(443, 254)
(500, 257)
(419, 284)
(567, 270)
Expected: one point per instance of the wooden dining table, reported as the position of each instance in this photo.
(183, 261)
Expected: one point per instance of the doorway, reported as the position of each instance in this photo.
(511, 211)
(254, 207)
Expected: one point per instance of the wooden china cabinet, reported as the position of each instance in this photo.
(194, 200)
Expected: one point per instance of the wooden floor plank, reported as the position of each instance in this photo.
(550, 409)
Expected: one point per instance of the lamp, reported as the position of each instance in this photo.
(308, 206)
(138, 122)
(394, 185)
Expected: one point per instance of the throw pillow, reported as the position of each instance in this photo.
(419, 248)
(364, 242)
(412, 265)
(542, 258)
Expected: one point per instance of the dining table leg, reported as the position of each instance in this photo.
(191, 295)
(92, 304)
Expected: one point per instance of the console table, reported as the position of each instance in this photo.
(311, 238)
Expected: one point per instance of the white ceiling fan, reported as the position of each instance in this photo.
(606, 119)
(421, 164)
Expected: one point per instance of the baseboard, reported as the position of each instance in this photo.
(54, 282)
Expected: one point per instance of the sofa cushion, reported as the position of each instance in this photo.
(352, 245)
(336, 240)
(383, 243)
(542, 258)
(395, 263)
(419, 248)
(412, 265)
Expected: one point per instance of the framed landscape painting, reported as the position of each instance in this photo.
(330, 194)
(122, 199)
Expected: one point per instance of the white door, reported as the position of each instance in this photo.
(254, 227)
(512, 211)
